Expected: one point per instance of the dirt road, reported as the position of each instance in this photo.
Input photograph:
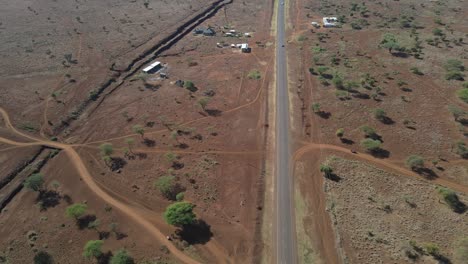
(88, 179)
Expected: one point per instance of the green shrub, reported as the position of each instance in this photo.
(415, 162)
(451, 198)
(189, 85)
(166, 185)
(432, 249)
(380, 114)
(326, 169)
(180, 214)
(254, 75)
(461, 149)
(368, 131)
(340, 132)
(180, 196)
(76, 210)
(315, 107)
(416, 70)
(34, 182)
(122, 257)
(371, 145)
(93, 249)
(463, 94)
(454, 75)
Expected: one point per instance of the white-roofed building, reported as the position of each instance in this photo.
(330, 21)
(153, 67)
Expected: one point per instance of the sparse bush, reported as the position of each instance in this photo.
(189, 85)
(254, 75)
(138, 129)
(34, 182)
(389, 42)
(92, 249)
(338, 81)
(322, 70)
(122, 257)
(315, 107)
(106, 149)
(166, 185)
(368, 131)
(203, 102)
(76, 210)
(451, 198)
(461, 149)
(437, 32)
(180, 196)
(380, 114)
(416, 70)
(415, 162)
(454, 69)
(326, 169)
(432, 249)
(454, 75)
(340, 132)
(371, 145)
(180, 214)
(463, 94)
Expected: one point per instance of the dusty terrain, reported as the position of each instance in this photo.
(410, 85)
(74, 104)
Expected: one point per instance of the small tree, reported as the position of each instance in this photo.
(139, 130)
(130, 142)
(43, 257)
(166, 185)
(340, 132)
(369, 131)
(203, 102)
(180, 214)
(389, 42)
(34, 182)
(92, 249)
(122, 257)
(315, 107)
(461, 149)
(371, 145)
(463, 94)
(380, 114)
(327, 170)
(415, 162)
(106, 149)
(451, 198)
(189, 85)
(76, 210)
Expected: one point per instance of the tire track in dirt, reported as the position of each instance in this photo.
(88, 179)
(382, 163)
(257, 97)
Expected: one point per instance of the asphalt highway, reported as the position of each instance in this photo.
(285, 232)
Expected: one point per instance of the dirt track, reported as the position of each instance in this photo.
(88, 179)
(379, 162)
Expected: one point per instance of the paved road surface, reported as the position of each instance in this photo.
(285, 231)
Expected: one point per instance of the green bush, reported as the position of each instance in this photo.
(122, 257)
(432, 249)
(326, 169)
(315, 107)
(43, 257)
(93, 249)
(380, 114)
(461, 149)
(180, 196)
(415, 162)
(371, 145)
(34, 182)
(322, 70)
(416, 70)
(340, 132)
(180, 214)
(189, 85)
(76, 210)
(254, 75)
(451, 198)
(454, 75)
(368, 131)
(166, 185)
(463, 94)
